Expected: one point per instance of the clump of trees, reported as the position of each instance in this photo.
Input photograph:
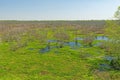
(113, 32)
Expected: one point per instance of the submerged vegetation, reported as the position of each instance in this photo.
(59, 50)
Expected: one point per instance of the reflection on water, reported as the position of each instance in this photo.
(96, 38)
(101, 38)
(72, 44)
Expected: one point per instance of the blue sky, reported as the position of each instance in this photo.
(57, 9)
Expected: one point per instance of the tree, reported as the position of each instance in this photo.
(113, 32)
(117, 13)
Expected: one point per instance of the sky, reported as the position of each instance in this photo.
(58, 9)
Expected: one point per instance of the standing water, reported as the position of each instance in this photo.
(101, 38)
(73, 44)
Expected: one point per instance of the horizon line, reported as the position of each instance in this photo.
(62, 20)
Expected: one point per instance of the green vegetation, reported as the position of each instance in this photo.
(112, 46)
(113, 31)
(60, 50)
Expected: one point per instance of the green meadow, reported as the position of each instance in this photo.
(59, 50)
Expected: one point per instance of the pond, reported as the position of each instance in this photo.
(73, 44)
(101, 38)
(96, 38)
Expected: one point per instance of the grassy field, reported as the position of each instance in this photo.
(59, 50)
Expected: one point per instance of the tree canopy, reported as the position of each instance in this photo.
(117, 13)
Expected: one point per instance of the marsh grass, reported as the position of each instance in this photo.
(20, 58)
